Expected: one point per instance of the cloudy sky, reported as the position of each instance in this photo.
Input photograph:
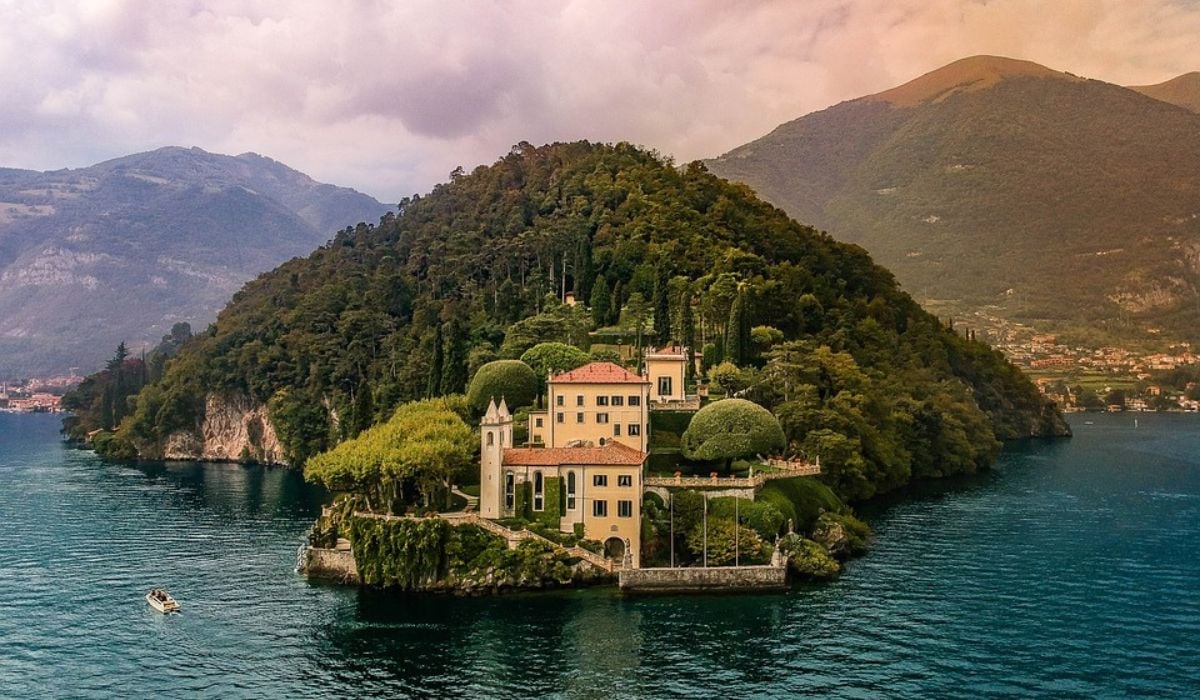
(388, 97)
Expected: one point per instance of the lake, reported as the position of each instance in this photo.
(1071, 569)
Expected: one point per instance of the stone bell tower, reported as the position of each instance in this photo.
(495, 435)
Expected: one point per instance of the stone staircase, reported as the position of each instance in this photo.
(472, 501)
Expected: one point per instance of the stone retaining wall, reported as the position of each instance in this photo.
(331, 564)
(702, 579)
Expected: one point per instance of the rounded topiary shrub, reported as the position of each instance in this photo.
(732, 428)
(512, 379)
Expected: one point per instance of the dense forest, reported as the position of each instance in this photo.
(479, 268)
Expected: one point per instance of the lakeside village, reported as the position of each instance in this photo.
(582, 491)
(1080, 378)
(36, 395)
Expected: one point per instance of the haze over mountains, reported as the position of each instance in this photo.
(1003, 183)
(123, 249)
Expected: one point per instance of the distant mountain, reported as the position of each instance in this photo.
(1183, 91)
(1002, 183)
(123, 249)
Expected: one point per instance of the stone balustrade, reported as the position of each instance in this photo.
(785, 470)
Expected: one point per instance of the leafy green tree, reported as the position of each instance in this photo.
(732, 428)
(718, 539)
(424, 446)
(637, 317)
(606, 355)
(512, 380)
(763, 338)
(553, 358)
(728, 377)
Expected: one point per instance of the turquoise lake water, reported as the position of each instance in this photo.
(1071, 569)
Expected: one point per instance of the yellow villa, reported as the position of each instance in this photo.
(586, 459)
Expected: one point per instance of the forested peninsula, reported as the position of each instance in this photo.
(479, 268)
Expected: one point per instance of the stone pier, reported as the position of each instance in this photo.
(695, 579)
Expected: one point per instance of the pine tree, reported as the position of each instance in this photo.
(600, 302)
(118, 358)
(662, 306)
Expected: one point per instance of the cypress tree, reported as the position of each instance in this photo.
(662, 306)
(737, 333)
(600, 302)
(454, 359)
(364, 408)
(687, 329)
(614, 305)
(434, 387)
(584, 273)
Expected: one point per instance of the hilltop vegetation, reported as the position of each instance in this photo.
(475, 271)
(1000, 183)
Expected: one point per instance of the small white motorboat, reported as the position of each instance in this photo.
(162, 601)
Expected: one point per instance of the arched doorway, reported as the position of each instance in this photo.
(614, 548)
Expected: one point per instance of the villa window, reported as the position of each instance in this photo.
(539, 496)
(599, 480)
(579, 417)
(601, 400)
(537, 422)
(579, 399)
(491, 438)
(625, 509)
(510, 490)
(618, 400)
(601, 417)
(616, 429)
(558, 400)
(634, 430)
(635, 401)
(600, 509)
(624, 480)
(559, 417)
(570, 490)
(664, 386)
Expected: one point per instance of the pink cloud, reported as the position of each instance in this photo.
(389, 97)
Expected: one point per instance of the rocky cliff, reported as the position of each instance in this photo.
(234, 428)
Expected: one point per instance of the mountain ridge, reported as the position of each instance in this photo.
(123, 249)
(1061, 200)
(1182, 90)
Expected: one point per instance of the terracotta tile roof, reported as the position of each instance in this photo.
(598, 373)
(612, 454)
(671, 350)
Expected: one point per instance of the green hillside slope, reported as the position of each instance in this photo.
(1001, 182)
(408, 308)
